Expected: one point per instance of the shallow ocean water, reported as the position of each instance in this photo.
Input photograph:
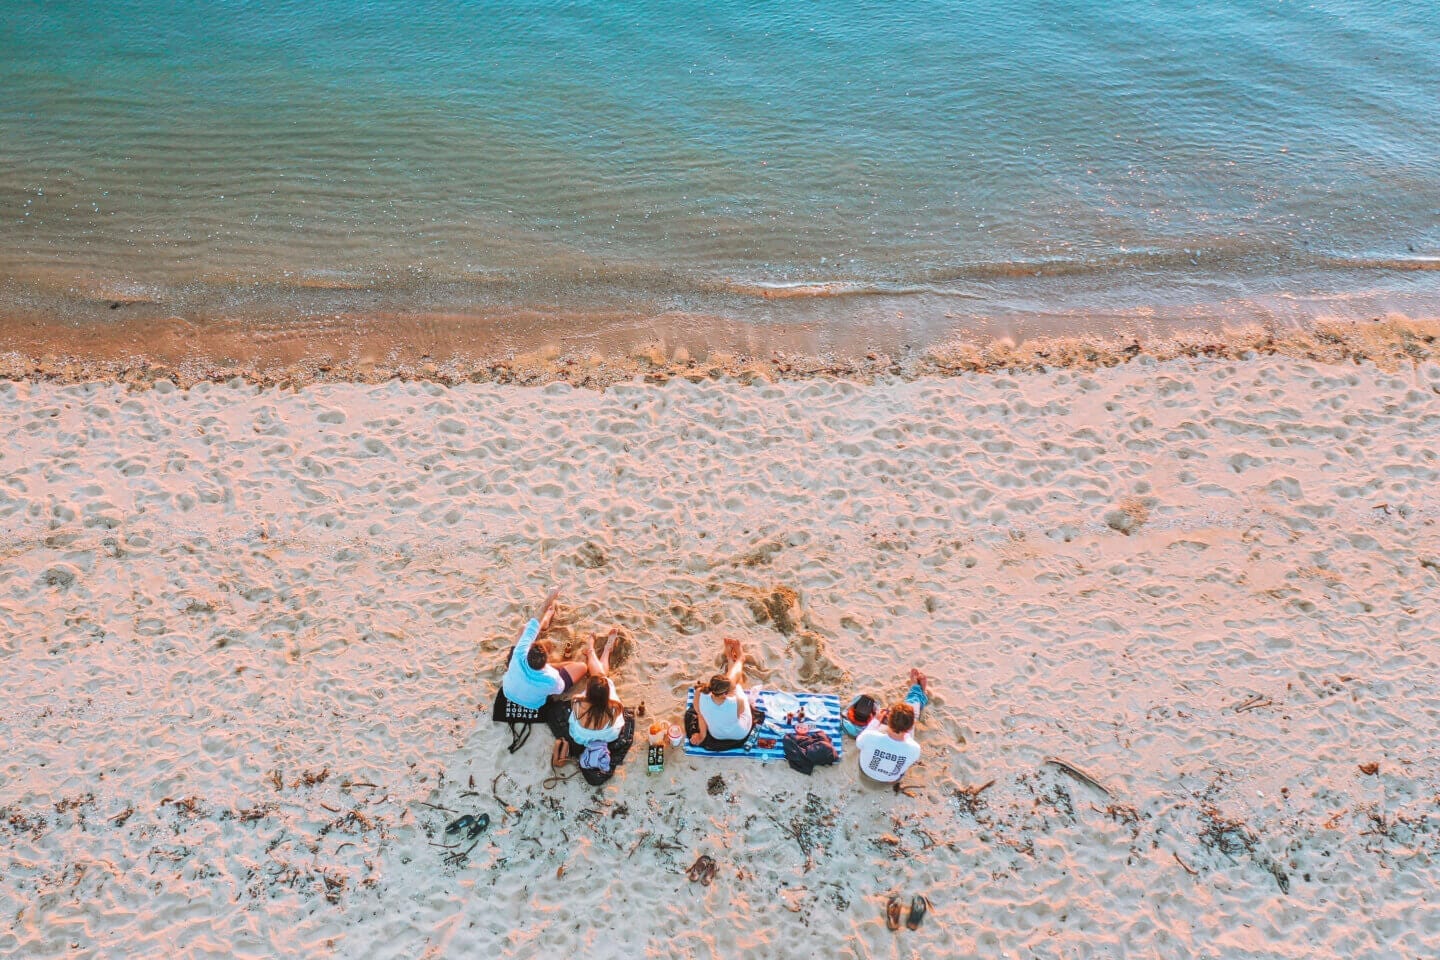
(919, 164)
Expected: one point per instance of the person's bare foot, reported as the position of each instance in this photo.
(610, 639)
(917, 677)
(733, 651)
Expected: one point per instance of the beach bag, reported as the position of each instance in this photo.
(596, 757)
(519, 719)
(862, 708)
(806, 751)
(857, 715)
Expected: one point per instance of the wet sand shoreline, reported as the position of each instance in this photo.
(454, 350)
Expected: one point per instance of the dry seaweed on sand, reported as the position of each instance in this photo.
(1233, 837)
(968, 800)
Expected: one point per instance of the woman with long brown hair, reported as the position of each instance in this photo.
(598, 715)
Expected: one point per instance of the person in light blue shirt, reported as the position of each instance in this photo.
(531, 678)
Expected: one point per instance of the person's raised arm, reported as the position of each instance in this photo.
(525, 641)
(547, 609)
(534, 627)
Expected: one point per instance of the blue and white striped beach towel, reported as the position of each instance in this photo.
(822, 711)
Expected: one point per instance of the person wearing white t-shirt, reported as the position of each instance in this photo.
(887, 746)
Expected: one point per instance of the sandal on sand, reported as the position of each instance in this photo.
(918, 905)
(703, 869)
(470, 826)
(892, 913)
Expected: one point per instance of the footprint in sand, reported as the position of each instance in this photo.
(591, 555)
(687, 620)
(779, 606)
(816, 666)
(623, 649)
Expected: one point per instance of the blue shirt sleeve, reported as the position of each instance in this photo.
(526, 641)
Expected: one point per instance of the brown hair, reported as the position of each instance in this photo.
(719, 685)
(538, 655)
(598, 712)
(902, 718)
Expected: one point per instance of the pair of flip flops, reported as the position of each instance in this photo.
(466, 829)
(468, 826)
(703, 870)
(919, 906)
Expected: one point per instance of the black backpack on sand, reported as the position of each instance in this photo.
(806, 751)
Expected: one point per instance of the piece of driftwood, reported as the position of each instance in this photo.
(1078, 774)
(1188, 868)
(495, 792)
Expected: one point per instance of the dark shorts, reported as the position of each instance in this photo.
(565, 676)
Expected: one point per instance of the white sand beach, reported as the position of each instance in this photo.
(249, 639)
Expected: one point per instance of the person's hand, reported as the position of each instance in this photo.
(697, 739)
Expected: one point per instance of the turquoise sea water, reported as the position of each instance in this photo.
(954, 163)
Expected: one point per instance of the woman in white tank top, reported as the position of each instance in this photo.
(723, 709)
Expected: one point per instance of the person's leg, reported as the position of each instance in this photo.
(592, 662)
(919, 694)
(735, 668)
(572, 672)
(600, 665)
